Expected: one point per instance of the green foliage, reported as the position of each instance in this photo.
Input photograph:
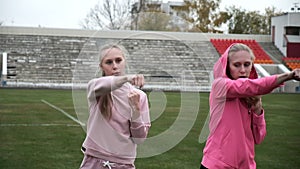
(204, 14)
(153, 21)
(206, 17)
(250, 22)
(195, 15)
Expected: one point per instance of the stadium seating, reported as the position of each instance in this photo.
(261, 56)
(291, 62)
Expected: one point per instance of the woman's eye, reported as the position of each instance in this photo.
(247, 64)
(108, 62)
(118, 60)
(236, 65)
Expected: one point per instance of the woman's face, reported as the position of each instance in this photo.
(240, 64)
(113, 63)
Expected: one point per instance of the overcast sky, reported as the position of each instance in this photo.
(69, 13)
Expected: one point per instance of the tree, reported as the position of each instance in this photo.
(250, 22)
(152, 17)
(269, 13)
(111, 14)
(204, 14)
(153, 21)
(243, 22)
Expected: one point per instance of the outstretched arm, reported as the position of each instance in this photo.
(258, 121)
(244, 87)
(293, 75)
(136, 80)
(103, 85)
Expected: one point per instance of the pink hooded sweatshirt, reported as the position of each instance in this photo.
(116, 139)
(234, 128)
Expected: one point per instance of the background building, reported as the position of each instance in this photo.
(167, 8)
(286, 33)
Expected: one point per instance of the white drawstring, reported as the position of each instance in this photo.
(108, 164)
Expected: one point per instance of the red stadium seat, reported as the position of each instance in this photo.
(261, 56)
(291, 62)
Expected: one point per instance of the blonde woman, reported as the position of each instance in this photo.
(119, 114)
(237, 120)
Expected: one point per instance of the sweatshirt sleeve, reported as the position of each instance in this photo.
(258, 127)
(139, 127)
(100, 86)
(244, 87)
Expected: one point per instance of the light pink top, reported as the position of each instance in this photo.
(234, 129)
(116, 139)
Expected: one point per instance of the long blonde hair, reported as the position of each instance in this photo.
(105, 101)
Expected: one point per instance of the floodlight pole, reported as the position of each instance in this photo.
(296, 8)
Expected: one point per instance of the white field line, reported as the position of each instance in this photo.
(38, 125)
(63, 112)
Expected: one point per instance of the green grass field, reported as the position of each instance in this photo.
(35, 135)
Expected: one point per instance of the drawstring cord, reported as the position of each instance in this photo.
(108, 164)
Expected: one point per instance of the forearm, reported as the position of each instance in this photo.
(259, 127)
(140, 120)
(103, 85)
(139, 131)
(136, 80)
(281, 78)
(135, 115)
(119, 81)
(248, 87)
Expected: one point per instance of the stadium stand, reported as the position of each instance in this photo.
(170, 61)
(261, 56)
(291, 62)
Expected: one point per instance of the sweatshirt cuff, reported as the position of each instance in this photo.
(259, 119)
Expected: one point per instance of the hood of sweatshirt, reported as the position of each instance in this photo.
(220, 66)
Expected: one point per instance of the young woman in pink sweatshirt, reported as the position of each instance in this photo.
(118, 114)
(236, 115)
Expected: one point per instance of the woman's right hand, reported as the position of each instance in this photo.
(293, 75)
(136, 80)
(296, 74)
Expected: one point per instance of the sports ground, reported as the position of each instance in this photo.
(39, 129)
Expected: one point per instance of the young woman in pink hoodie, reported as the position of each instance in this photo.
(236, 114)
(118, 114)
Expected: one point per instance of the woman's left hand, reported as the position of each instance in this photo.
(256, 104)
(134, 101)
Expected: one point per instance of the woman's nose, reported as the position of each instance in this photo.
(242, 69)
(114, 65)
